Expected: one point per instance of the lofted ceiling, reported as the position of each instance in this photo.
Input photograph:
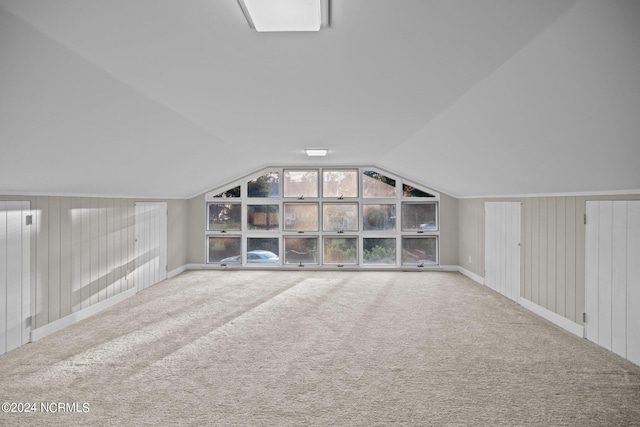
(164, 98)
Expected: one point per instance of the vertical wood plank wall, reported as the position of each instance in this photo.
(612, 277)
(151, 243)
(75, 260)
(82, 249)
(551, 256)
(15, 286)
(553, 248)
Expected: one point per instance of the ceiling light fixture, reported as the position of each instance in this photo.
(286, 15)
(316, 151)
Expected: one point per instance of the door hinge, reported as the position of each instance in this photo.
(584, 317)
(585, 219)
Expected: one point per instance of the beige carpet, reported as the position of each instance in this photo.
(270, 348)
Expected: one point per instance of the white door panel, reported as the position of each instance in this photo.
(15, 275)
(612, 276)
(502, 248)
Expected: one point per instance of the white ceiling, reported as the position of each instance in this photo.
(165, 98)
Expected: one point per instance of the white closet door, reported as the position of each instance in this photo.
(15, 275)
(502, 248)
(612, 276)
(151, 243)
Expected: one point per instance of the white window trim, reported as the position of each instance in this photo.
(361, 234)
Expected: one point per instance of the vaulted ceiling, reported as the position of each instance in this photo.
(164, 98)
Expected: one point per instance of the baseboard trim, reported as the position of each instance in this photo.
(552, 317)
(175, 272)
(293, 267)
(69, 320)
(471, 275)
(196, 266)
(549, 315)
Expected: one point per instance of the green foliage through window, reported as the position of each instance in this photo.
(266, 185)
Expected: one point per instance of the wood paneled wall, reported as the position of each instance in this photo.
(83, 253)
(448, 230)
(553, 248)
(550, 255)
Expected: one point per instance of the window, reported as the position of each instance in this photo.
(326, 217)
(419, 250)
(263, 250)
(301, 216)
(340, 250)
(378, 217)
(377, 185)
(262, 217)
(267, 185)
(300, 183)
(379, 251)
(224, 250)
(339, 183)
(232, 192)
(409, 191)
(224, 216)
(419, 217)
(340, 217)
(300, 250)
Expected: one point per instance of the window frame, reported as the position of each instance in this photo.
(245, 233)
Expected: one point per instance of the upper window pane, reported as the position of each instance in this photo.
(340, 217)
(301, 183)
(301, 216)
(409, 191)
(375, 184)
(224, 216)
(262, 217)
(340, 250)
(232, 192)
(419, 216)
(266, 185)
(339, 183)
(379, 217)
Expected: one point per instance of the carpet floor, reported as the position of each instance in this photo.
(293, 348)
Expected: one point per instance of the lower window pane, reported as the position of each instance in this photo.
(300, 250)
(379, 251)
(419, 250)
(340, 250)
(263, 250)
(224, 249)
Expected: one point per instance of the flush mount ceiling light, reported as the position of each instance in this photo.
(316, 151)
(286, 15)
